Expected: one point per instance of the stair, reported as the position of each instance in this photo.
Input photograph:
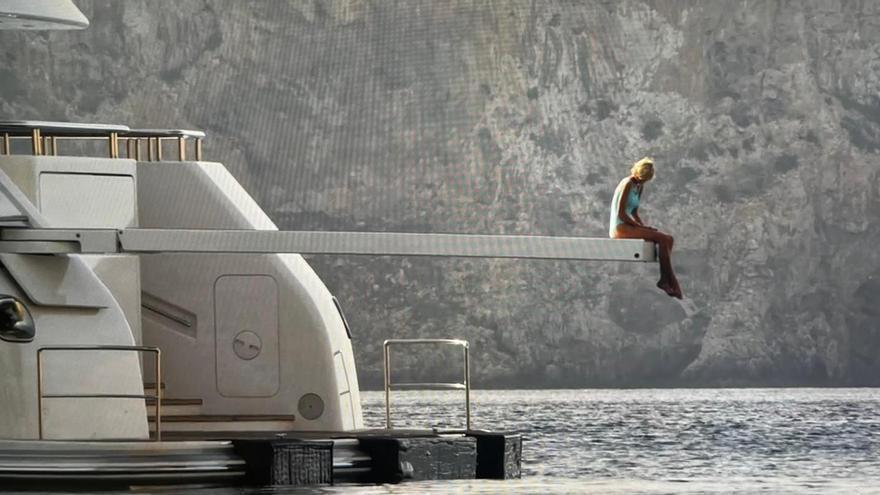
(150, 388)
(171, 406)
(175, 407)
(185, 415)
(225, 422)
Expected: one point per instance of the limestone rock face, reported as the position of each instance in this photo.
(520, 117)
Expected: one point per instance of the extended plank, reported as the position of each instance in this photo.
(330, 243)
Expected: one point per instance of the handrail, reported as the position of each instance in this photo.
(44, 136)
(466, 385)
(154, 139)
(132, 348)
(23, 128)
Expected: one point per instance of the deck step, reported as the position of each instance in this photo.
(220, 418)
(350, 463)
(150, 389)
(226, 422)
(168, 401)
(176, 407)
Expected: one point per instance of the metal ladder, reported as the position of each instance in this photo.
(465, 385)
(127, 348)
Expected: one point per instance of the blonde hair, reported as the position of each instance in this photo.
(643, 169)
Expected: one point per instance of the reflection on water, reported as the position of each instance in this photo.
(541, 485)
(653, 441)
(703, 440)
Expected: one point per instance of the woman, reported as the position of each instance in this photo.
(626, 223)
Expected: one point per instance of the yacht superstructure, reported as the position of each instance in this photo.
(257, 339)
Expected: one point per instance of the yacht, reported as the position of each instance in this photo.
(157, 327)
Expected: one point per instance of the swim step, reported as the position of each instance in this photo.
(64, 462)
(361, 456)
(350, 462)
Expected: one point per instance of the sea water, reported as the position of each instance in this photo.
(792, 440)
(778, 440)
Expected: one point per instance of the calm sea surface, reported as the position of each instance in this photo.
(654, 441)
(660, 441)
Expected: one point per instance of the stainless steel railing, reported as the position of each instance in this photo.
(44, 137)
(466, 385)
(128, 348)
(154, 139)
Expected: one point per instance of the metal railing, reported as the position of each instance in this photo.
(466, 385)
(128, 348)
(154, 139)
(44, 137)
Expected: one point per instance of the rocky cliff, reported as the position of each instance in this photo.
(520, 117)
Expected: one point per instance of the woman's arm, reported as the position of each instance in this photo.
(621, 207)
(637, 218)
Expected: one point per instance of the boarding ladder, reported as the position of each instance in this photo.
(465, 385)
(156, 397)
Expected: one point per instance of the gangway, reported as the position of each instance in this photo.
(145, 241)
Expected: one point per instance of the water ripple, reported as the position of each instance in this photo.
(651, 441)
(820, 440)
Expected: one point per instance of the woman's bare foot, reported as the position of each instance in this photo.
(668, 288)
(676, 289)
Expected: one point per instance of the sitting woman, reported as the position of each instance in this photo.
(626, 223)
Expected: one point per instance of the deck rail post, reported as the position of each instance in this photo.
(387, 371)
(113, 142)
(181, 148)
(36, 142)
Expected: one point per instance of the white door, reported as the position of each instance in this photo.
(246, 326)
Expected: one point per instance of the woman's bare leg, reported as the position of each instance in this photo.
(668, 282)
(672, 279)
(666, 252)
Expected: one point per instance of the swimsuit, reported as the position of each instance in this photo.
(631, 204)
